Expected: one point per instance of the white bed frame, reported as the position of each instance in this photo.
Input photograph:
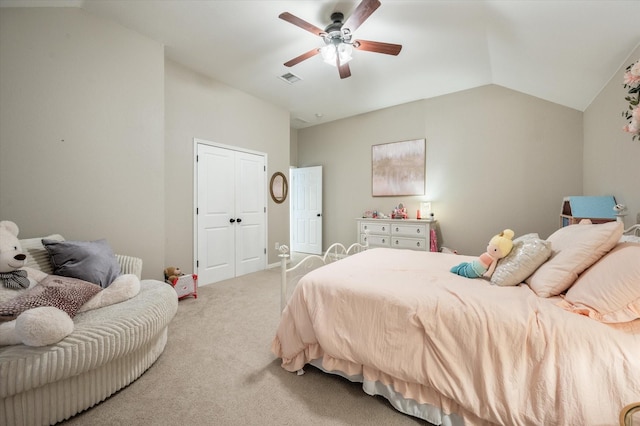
(290, 277)
(633, 230)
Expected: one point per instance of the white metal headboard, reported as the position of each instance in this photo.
(633, 230)
(289, 277)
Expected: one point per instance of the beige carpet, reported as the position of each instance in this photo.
(217, 369)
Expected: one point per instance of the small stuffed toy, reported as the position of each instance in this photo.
(499, 246)
(171, 273)
(28, 313)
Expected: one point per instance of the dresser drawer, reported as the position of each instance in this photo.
(409, 243)
(411, 230)
(375, 240)
(375, 228)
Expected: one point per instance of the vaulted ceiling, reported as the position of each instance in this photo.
(561, 51)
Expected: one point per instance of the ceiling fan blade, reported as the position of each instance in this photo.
(362, 12)
(343, 69)
(378, 47)
(300, 23)
(298, 59)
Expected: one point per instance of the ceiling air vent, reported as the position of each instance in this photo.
(289, 78)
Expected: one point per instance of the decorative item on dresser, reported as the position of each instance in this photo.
(413, 234)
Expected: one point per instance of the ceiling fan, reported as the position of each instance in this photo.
(337, 38)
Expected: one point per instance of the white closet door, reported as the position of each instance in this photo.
(231, 220)
(216, 232)
(250, 189)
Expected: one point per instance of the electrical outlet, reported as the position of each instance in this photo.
(277, 247)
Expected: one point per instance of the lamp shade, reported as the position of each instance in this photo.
(344, 52)
(341, 50)
(329, 53)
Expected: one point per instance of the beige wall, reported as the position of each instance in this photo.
(125, 168)
(81, 131)
(200, 107)
(343, 148)
(496, 158)
(611, 158)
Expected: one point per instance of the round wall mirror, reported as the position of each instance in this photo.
(278, 187)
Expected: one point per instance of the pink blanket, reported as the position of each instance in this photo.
(490, 354)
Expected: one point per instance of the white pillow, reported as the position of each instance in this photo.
(574, 249)
(527, 254)
(609, 291)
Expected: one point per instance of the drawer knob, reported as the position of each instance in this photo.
(418, 230)
(384, 229)
(418, 243)
(384, 241)
(397, 242)
(397, 229)
(365, 227)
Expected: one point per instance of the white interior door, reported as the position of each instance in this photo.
(306, 210)
(250, 189)
(216, 233)
(231, 216)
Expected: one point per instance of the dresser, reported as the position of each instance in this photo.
(410, 234)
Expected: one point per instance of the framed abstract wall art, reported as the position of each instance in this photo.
(398, 168)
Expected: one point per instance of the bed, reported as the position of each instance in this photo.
(559, 347)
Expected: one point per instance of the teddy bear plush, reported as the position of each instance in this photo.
(36, 309)
(171, 273)
(499, 246)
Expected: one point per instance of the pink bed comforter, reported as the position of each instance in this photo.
(490, 354)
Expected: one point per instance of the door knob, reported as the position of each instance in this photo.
(319, 215)
(232, 220)
(239, 220)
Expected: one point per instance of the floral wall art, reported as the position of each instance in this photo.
(398, 168)
(632, 113)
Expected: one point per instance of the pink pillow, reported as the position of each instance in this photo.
(609, 291)
(574, 249)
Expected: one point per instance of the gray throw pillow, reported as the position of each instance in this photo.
(91, 261)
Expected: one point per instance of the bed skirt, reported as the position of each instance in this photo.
(428, 412)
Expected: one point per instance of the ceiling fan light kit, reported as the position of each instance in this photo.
(338, 48)
(342, 52)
